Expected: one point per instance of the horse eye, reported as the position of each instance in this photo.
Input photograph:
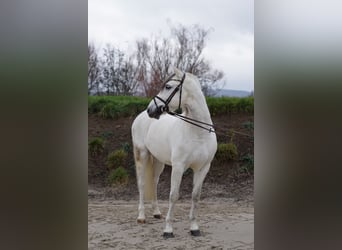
(168, 87)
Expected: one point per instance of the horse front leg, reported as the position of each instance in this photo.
(176, 178)
(199, 177)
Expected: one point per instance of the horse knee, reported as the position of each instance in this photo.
(196, 196)
(174, 196)
(176, 178)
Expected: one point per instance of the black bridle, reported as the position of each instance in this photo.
(168, 100)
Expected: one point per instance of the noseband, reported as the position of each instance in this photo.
(168, 100)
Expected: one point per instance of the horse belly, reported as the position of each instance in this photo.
(203, 154)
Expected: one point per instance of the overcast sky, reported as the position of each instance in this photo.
(230, 46)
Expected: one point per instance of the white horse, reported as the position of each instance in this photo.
(169, 140)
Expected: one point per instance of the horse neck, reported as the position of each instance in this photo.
(196, 108)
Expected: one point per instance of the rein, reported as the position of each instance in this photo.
(183, 118)
(193, 122)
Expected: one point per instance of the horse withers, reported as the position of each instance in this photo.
(159, 138)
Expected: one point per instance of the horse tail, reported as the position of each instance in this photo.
(144, 163)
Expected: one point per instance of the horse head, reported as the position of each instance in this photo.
(171, 95)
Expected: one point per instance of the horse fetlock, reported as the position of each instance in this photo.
(156, 213)
(168, 227)
(174, 196)
(141, 216)
(194, 225)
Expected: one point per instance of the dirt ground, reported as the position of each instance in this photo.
(224, 224)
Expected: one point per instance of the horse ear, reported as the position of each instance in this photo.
(178, 72)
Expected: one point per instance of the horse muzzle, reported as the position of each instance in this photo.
(155, 112)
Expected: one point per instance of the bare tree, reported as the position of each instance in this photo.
(94, 69)
(120, 74)
(182, 49)
(144, 71)
(191, 42)
(156, 58)
(128, 76)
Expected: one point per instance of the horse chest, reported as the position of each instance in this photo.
(158, 146)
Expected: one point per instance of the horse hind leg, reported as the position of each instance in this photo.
(199, 177)
(141, 158)
(158, 168)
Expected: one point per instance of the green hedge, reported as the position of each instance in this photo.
(123, 106)
(228, 105)
(116, 106)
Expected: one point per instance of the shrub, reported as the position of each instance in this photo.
(116, 159)
(107, 134)
(116, 106)
(248, 163)
(118, 176)
(248, 125)
(95, 104)
(96, 146)
(121, 106)
(228, 105)
(126, 147)
(226, 152)
(131, 170)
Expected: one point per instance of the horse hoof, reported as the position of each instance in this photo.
(195, 232)
(168, 235)
(141, 221)
(157, 216)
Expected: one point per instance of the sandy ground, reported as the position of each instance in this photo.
(224, 224)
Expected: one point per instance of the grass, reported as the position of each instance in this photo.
(113, 107)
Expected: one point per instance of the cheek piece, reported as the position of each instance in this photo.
(165, 108)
